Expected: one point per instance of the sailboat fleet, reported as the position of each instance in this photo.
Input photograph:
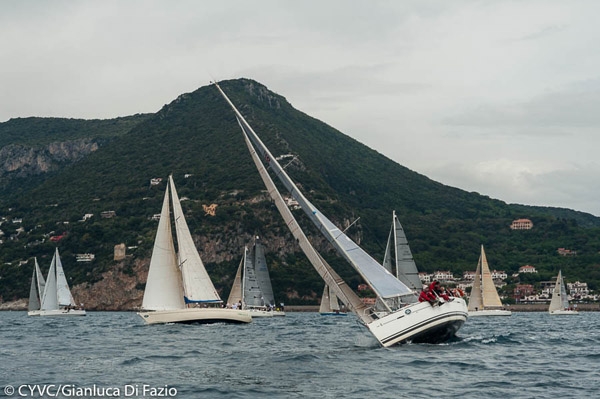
(179, 289)
(52, 296)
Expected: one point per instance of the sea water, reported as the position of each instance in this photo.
(301, 355)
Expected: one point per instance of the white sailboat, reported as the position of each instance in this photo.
(330, 304)
(178, 288)
(36, 291)
(252, 289)
(398, 316)
(559, 304)
(403, 262)
(484, 299)
(57, 299)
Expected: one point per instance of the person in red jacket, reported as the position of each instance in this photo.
(427, 296)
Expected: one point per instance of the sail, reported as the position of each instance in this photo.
(333, 301)
(62, 287)
(489, 293)
(331, 278)
(49, 298)
(387, 258)
(380, 280)
(475, 299)
(235, 296)
(164, 290)
(34, 301)
(41, 283)
(560, 300)
(325, 306)
(262, 274)
(253, 296)
(197, 285)
(406, 268)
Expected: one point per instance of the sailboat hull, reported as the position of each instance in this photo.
(564, 312)
(58, 312)
(489, 312)
(420, 323)
(196, 315)
(333, 314)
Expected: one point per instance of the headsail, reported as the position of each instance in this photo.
(164, 290)
(49, 298)
(62, 287)
(560, 300)
(491, 299)
(380, 280)
(235, 296)
(476, 299)
(34, 300)
(197, 284)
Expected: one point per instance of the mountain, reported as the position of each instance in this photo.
(196, 138)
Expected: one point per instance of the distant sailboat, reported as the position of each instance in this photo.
(252, 284)
(484, 299)
(36, 291)
(330, 305)
(559, 304)
(57, 299)
(399, 316)
(402, 260)
(177, 281)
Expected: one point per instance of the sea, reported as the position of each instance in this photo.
(301, 355)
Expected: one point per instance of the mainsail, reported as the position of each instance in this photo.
(380, 280)
(406, 269)
(197, 284)
(163, 290)
(34, 300)
(329, 301)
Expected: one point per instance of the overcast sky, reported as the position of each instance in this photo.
(498, 97)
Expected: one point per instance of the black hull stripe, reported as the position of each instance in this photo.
(425, 323)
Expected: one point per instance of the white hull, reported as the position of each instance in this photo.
(278, 313)
(420, 323)
(564, 312)
(489, 312)
(58, 312)
(259, 313)
(196, 315)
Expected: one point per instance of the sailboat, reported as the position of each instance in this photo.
(56, 298)
(330, 305)
(559, 304)
(484, 299)
(36, 291)
(398, 317)
(178, 288)
(402, 260)
(252, 288)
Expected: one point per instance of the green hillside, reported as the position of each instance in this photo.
(197, 135)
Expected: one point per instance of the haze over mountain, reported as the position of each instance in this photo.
(107, 165)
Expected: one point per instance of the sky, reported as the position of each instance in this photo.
(496, 97)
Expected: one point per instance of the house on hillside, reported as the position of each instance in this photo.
(527, 269)
(521, 224)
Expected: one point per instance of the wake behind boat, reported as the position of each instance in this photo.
(180, 292)
(399, 317)
(484, 299)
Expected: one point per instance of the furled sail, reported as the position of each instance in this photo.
(164, 290)
(197, 284)
(381, 281)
